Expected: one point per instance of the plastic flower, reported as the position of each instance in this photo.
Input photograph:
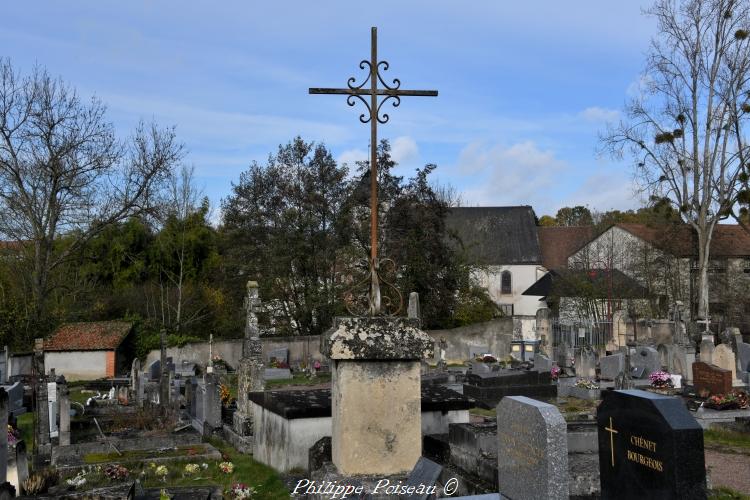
(660, 378)
(192, 468)
(226, 467)
(77, 481)
(162, 471)
(242, 491)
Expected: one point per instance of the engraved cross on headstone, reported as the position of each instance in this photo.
(374, 117)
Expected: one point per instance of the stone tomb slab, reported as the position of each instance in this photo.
(650, 446)
(711, 378)
(532, 450)
(490, 388)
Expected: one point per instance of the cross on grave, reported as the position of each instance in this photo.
(373, 116)
(612, 433)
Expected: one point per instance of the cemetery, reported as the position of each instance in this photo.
(338, 331)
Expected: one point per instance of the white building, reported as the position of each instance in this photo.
(502, 244)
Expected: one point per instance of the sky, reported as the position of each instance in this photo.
(525, 88)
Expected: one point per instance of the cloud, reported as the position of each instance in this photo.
(520, 174)
(639, 86)
(351, 157)
(597, 114)
(404, 150)
(606, 190)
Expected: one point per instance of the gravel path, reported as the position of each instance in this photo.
(731, 470)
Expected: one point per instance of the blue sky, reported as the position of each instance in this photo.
(525, 87)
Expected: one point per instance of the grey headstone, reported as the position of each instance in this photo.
(477, 367)
(707, 349)
(64, 403)
(645, 359)
(611, 366)
(585, 364)
(15, 398)
(413, 309)
(212, 404)
(542, 363)
(426, 473)
(532, 450)
(743, 354)
(281, 355)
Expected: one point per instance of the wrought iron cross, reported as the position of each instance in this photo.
(373, 116)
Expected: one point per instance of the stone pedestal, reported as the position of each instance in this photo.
(375, 394)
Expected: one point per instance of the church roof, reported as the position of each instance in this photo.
(557, 243)
(496, 235)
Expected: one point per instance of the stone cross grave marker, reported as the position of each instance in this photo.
(532, 450)
(650, 446)
(711, 379)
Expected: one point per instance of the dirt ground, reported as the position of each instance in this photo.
(728, 469)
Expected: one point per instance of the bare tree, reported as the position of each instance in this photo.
(63, 172)
(686, 129)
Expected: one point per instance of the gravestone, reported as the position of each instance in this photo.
(413, 311)
(711, 378)
(542, 363)
(532, 450)
(479, 367)
(724, 358)
(22, 464)
(281, 355)
(135, 372)
(707, 349)
(743, 355)
(52, 408)
(647, 360)
(425, 474)
(64, 404)
(15, 399)
(665, 358)
(611, 366)
(490, 388)
(650, 446)
(586, 364)
(154, 370)
(277, 373)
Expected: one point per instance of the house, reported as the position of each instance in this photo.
(502, 245)
(92, 350)
(662, 259)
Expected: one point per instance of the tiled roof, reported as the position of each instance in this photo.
(496, 235)
(559, 243)
(729, 240)
(90, 336)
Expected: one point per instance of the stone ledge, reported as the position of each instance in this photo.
(376, 338)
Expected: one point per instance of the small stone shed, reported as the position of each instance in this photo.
(91, 350)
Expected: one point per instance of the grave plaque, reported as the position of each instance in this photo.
(425, 475)
(650, 446)
(532, 450)
(710, 378)
(647, 360)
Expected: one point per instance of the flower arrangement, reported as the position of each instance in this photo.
(163, 495)
(586, 383)
(734, 400)
(661, 379)
(224, 395)
(116, 472)
(554, 372)
(226, 467)
(13, 435)
(241, 491)
(191, 469)
(77, 481)
(161, 471)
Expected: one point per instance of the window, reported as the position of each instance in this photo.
(506, 309)
(506, 283)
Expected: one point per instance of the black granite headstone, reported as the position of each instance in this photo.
(650, 446)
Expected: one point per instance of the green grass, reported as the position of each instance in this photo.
(300, 379)
(25, 424)
(246, 470)
(723, 493)
(724, 437)
(483, 413)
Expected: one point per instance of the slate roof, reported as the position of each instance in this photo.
(496, 235)
(89, 336)
(594, 283)
(559, 243)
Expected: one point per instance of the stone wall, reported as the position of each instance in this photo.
(231, 350)
(78, 365)
(496, 335)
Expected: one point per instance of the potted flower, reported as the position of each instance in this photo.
(585, 389)
(661, 379)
